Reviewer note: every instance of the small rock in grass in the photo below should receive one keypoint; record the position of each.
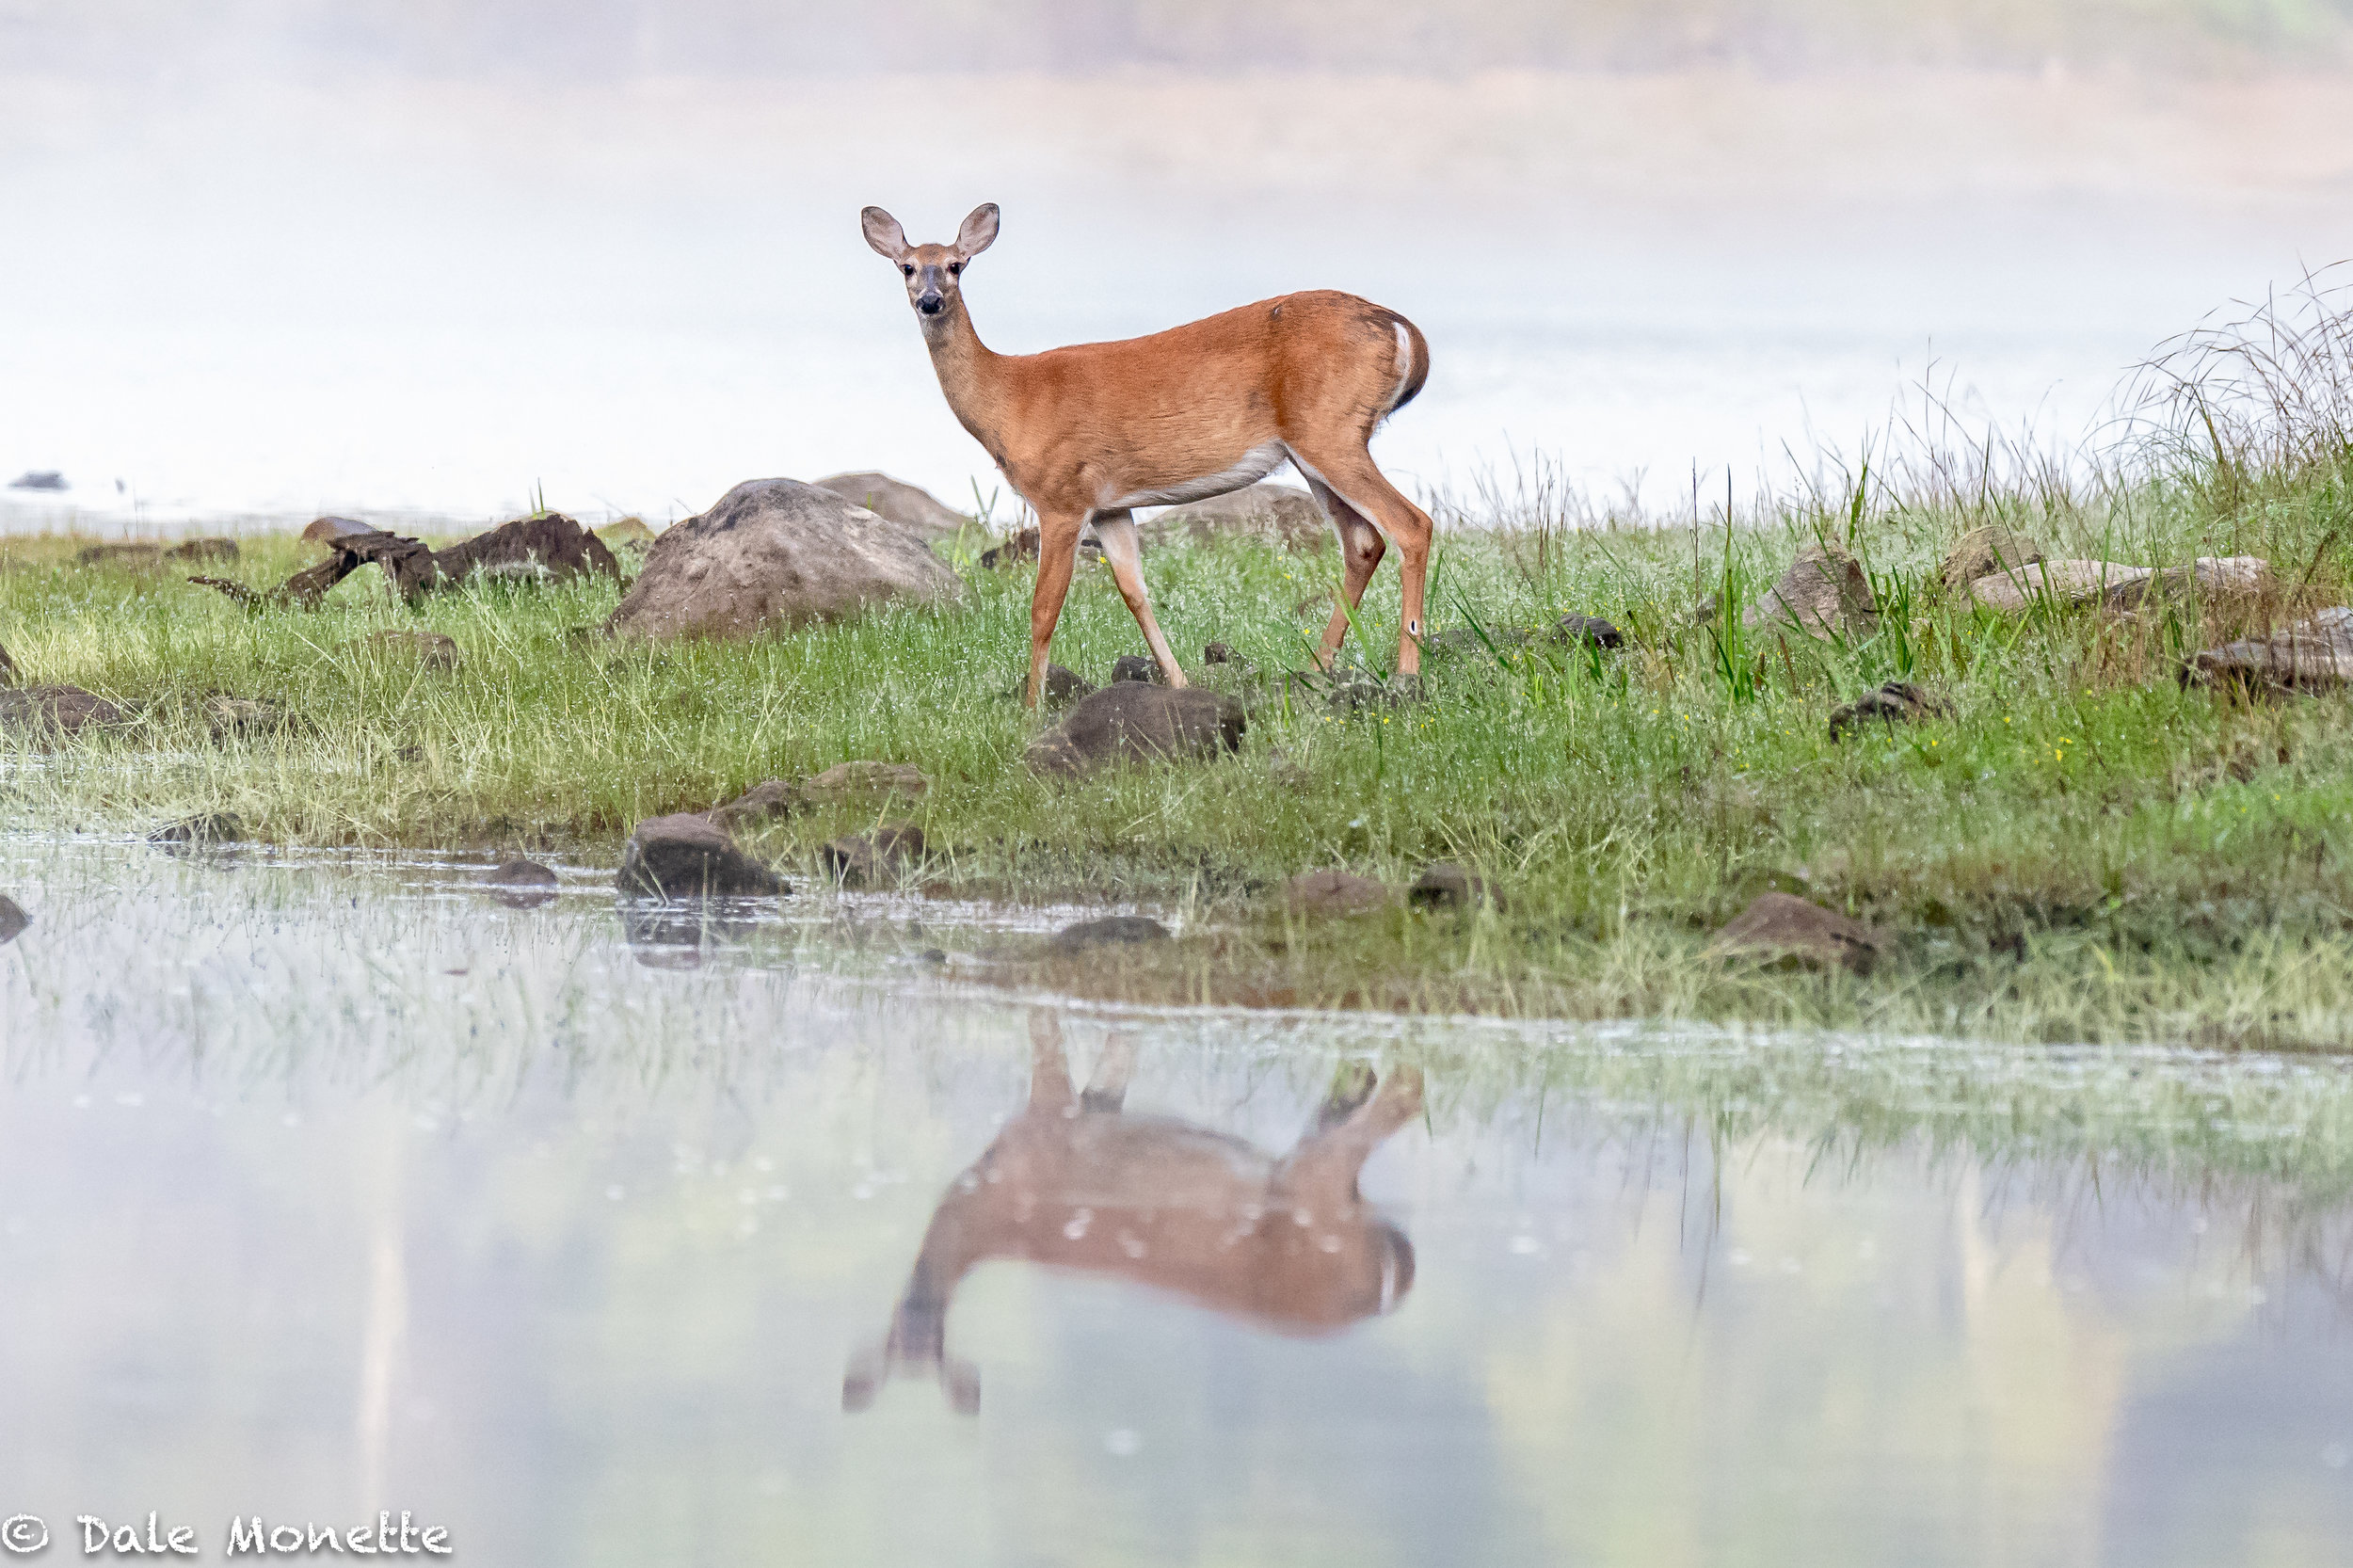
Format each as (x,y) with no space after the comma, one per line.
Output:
(1988,551)
(1064,687)
(1132,722)
(687,855)
(1137,666)
(1785,928)
(1107,930)
(1897,702)
(46,712)
(13,919)
(523,884)
(234,717)
(1218,653)
(1444,885)
(2313,655)
(1334,892)
(866,859)
(435,651)
(1574,629)
(845,780)
(762,802)
(1824,593)
(211,827)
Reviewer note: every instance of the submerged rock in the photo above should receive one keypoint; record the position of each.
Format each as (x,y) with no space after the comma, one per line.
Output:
(1824,594)
(1132,722)
(1444,885)
(521,883)
(1897,702)
(687,855)
(1334,892)
(1987,552)
(865,859)
(13,919)
(775,553)
(1785,928)
(1110,930)
(902,503)
(46,712)
(209,828)
(2311,655)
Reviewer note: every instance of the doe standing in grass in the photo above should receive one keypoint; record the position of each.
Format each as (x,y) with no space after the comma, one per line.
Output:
(1084,433)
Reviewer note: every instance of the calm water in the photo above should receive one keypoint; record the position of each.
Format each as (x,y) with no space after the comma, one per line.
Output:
(339,1186)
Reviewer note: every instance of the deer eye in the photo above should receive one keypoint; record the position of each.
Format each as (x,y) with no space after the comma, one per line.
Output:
(909,270)
(955,268)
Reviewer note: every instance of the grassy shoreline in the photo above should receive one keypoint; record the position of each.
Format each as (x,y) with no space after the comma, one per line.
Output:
(2084,848)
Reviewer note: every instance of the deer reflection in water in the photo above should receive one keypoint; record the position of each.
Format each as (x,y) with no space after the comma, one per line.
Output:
(1283,1241)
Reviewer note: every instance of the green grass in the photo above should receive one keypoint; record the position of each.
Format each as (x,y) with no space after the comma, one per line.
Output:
(2087,850)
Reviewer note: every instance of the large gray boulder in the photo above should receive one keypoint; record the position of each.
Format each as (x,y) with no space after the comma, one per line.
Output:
(776,552)
(898,501)
(1279,514)
(1132,722)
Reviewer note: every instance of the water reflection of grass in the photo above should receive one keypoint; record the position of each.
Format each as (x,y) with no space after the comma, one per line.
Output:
(2088,849)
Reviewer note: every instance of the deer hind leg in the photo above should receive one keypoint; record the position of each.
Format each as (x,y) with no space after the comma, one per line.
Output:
(1323,1168)
(1057,558)
(1361,548)
(1116,533)
(1351,473)
(1107,1086)
(1049,1074)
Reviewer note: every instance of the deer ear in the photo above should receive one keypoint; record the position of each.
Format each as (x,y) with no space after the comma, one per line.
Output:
(979,231)
(884,234)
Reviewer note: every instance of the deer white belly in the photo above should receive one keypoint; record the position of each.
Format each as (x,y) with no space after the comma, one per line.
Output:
(1255,465)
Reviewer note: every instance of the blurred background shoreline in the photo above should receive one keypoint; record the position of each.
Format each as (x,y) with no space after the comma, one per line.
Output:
(270,260)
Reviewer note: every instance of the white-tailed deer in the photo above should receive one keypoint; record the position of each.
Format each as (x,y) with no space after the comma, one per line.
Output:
(1074,1183)
(1084,433)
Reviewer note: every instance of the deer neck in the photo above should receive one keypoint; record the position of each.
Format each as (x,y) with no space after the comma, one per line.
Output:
(967,372)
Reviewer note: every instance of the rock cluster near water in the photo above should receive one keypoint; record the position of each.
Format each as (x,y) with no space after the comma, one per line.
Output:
(777,554)
(687,855)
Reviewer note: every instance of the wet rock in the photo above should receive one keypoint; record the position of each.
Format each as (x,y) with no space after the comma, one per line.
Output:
(1137,666)
(2313,655)
(764,802)
(1824,594)
(1334,892)
(47,712)
(778,553)
(687,855)
(1585,630)
(899,501)
(1444,885)
(1784,928)
(523,884)
(231,718)
(868,859)
(852,780)
(1897,702)
(435,651)
(1132,722)
(38,479)
(210,827)
(1988,551)
(1108,931)
(13,919)
(1279,514)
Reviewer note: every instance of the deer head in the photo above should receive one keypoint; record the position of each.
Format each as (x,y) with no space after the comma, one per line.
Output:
(931,272)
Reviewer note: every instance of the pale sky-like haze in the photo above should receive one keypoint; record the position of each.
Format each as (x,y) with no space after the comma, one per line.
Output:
(264,260)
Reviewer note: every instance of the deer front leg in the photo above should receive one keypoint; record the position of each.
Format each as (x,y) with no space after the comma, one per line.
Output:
(1116,533)
(1057,558)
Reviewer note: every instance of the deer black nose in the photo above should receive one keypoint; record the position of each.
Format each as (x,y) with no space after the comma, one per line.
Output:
(929,303)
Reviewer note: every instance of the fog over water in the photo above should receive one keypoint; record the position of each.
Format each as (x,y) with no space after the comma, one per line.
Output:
(278,267)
